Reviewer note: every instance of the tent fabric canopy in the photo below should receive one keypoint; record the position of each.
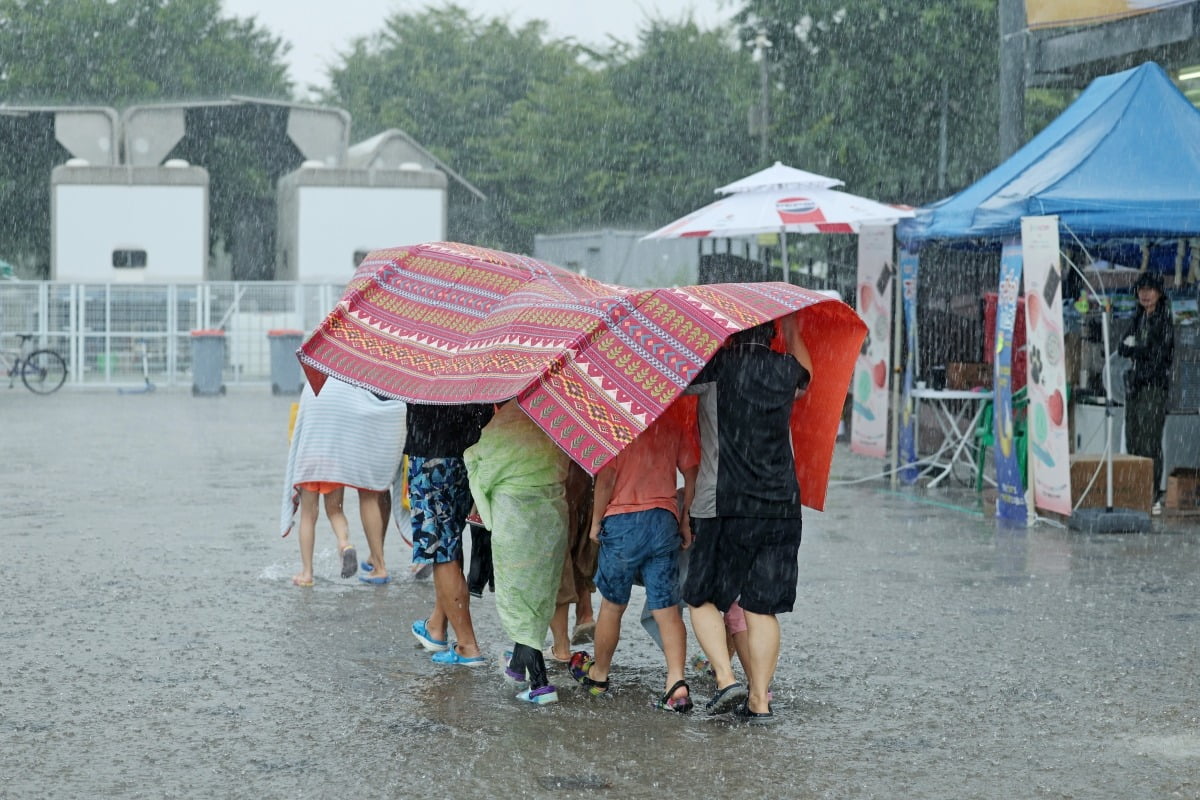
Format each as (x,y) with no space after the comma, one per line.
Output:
(1122,160)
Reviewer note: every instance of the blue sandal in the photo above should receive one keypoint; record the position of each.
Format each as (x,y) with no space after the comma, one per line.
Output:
(451,656)
(431,644)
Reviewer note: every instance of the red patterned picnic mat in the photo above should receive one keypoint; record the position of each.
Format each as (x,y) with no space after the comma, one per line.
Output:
(593,364)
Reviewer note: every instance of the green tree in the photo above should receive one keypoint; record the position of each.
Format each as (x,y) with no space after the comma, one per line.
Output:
(858,90)
(120,52)
(690,93)
(559,137)
(115,53)
(450,79)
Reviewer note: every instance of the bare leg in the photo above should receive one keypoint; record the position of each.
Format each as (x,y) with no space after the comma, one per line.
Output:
(763,630)
(454,602)
(561,648)
(608,633)
(437,621)
(583,604)
(385,511)
(739,644)
(709,627)
(337,517)
(674,636)
(308,535)
(372,522)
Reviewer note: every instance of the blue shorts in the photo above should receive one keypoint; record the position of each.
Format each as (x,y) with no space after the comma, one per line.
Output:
(640,544)
(440,499)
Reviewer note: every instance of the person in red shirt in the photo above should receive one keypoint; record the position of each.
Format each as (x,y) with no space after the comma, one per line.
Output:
(636,520)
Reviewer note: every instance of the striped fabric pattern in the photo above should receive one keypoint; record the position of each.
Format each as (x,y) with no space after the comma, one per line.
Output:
(592,364)
(344,435)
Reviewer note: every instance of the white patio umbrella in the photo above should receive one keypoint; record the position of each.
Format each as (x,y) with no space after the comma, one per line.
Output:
(799,209)
(795,208)
(780,199)
(777,176)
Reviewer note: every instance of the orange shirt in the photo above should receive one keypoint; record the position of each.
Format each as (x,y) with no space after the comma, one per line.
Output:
(646,467)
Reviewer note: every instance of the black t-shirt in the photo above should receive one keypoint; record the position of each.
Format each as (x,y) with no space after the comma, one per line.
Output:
(444,431)
(746,464)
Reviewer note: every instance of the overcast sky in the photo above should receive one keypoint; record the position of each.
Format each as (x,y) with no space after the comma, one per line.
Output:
(317,31)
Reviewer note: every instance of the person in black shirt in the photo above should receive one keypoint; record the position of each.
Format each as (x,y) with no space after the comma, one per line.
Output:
(746,510)
(1150,344)
(440,500)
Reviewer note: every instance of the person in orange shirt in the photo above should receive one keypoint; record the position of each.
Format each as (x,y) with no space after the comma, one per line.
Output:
(636,520)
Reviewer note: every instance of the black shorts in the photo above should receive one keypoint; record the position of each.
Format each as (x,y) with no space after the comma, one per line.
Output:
(749,559)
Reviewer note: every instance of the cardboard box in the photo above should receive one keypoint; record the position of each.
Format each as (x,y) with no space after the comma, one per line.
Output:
(1133,481)
(965,375)
(1183,489)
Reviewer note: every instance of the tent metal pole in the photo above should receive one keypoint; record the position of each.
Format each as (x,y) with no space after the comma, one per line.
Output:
(897,332)
(783,251)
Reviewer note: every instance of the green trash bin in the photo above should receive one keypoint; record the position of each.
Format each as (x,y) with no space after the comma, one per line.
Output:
(286,375)
(208,362)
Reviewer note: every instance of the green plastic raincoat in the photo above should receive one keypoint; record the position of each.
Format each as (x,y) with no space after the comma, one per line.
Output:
(517,478)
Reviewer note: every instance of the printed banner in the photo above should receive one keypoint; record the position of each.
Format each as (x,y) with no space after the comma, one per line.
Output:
(1049,444)
(1051,13)
(869,422)
(909,262)
(1010,480)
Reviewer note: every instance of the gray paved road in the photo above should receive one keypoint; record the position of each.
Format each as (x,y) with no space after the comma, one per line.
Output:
(151,645)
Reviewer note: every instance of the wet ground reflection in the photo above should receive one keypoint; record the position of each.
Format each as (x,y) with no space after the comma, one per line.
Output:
(152,645)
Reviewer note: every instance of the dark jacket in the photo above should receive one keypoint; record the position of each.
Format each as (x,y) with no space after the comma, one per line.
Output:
(1153,347)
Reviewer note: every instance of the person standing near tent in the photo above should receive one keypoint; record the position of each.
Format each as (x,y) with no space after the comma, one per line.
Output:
(1149,343)
(746,515)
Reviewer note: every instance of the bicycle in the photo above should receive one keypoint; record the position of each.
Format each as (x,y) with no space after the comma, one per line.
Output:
(42,371)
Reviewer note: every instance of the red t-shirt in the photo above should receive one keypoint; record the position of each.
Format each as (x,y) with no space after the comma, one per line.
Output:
(646,467)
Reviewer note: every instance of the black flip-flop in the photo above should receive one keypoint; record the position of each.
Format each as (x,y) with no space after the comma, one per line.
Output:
(727,699)
(683,705)
(754,717)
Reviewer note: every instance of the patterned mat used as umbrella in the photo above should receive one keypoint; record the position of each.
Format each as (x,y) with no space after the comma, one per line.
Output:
(592,364)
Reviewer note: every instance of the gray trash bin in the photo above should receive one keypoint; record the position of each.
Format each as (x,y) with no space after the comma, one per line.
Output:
(208,362)
(286,375)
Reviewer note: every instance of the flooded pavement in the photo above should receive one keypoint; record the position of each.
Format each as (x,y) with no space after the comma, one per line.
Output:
(152,645)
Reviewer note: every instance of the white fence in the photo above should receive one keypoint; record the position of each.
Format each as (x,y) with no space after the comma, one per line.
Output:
(107,331)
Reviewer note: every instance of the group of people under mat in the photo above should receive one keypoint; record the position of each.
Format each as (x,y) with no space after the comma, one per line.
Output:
(725,543)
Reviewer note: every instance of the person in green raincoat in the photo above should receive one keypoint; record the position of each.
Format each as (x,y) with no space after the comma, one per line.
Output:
(517,476)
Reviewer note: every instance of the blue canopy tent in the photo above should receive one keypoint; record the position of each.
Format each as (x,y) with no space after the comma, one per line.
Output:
(1122,161)
(1120,167)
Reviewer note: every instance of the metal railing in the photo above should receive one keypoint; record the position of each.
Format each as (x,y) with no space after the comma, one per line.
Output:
(107,331)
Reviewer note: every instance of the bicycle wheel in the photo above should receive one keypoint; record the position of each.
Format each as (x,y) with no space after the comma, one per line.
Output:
(44,371)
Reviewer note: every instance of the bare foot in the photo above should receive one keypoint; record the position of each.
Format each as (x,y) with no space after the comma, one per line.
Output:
(302,579)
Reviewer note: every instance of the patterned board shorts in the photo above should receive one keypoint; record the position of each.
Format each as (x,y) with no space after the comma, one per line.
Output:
(440,500)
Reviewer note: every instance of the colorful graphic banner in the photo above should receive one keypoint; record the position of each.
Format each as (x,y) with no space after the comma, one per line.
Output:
(1049,443)
(909,263)
(1010,479)
(1052,13)
(869,423)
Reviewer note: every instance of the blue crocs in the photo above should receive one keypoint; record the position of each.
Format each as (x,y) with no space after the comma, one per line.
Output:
(540,696)
(451,656)
(428,642)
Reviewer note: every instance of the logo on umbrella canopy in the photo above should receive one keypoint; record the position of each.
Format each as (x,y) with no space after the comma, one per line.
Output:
(798,209)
